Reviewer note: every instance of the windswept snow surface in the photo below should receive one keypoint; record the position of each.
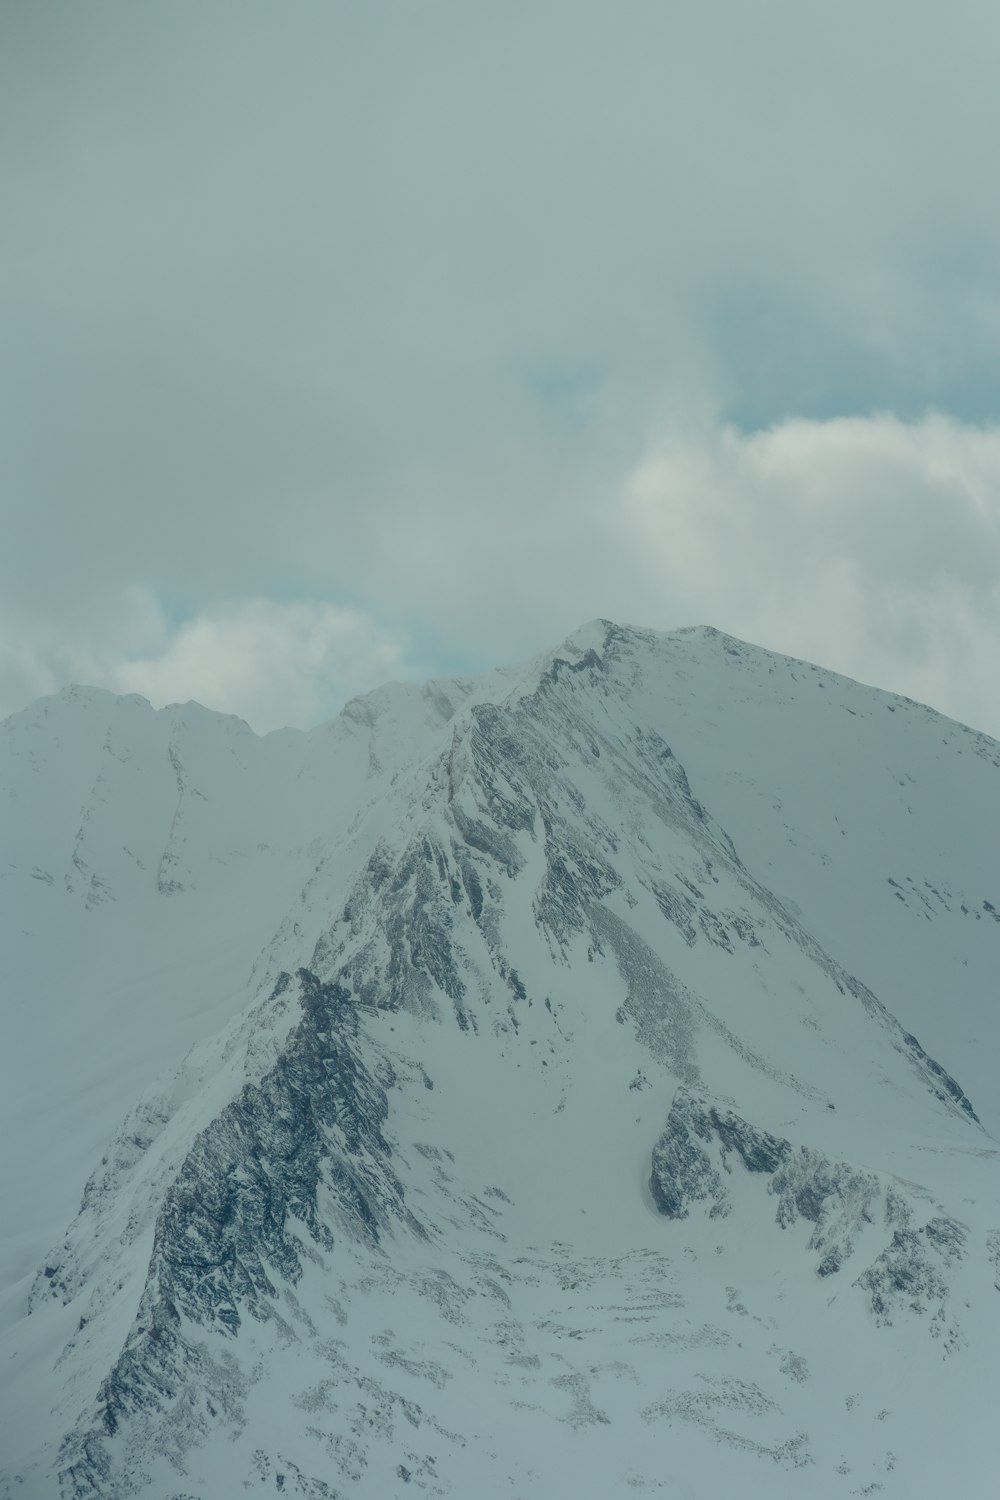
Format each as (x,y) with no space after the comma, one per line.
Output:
(575,1080)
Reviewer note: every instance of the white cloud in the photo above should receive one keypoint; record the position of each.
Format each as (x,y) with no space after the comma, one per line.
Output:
(40,651)
(272,664)
(387,314)
(867,544)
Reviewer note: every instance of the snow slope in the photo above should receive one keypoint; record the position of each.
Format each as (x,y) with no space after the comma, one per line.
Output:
(577,1079)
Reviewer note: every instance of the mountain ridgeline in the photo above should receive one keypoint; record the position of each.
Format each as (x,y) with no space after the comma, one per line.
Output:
(571,1080)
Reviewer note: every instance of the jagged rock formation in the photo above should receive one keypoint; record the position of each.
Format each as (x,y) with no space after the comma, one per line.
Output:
(698,1149)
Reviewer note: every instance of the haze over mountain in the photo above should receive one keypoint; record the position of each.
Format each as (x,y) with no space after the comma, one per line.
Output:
(574,1080)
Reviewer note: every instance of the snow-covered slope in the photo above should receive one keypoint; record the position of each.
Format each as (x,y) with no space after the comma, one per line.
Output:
(573,1080)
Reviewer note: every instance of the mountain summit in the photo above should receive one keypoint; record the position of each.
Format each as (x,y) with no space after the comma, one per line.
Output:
(574,1080)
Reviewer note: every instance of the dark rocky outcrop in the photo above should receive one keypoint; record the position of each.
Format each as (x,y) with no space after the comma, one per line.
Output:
(238,1222)
(693,1153)
(696,1152)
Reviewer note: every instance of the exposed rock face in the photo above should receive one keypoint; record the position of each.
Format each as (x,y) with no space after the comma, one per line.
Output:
(252,1181)
(699,1149)
(836,1199)
(289,1164)
(693,1154)
(911,1274)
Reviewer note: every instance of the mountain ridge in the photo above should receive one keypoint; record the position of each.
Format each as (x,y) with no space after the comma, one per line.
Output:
(594,629)
(576,889)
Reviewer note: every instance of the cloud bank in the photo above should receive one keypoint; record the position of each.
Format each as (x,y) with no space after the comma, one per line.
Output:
(870,545)
(271,664)
(355,341)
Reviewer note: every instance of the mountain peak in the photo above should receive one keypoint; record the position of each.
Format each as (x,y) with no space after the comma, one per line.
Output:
(513,1082)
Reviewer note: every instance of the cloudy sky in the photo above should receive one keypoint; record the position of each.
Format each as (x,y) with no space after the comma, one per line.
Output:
(353,340)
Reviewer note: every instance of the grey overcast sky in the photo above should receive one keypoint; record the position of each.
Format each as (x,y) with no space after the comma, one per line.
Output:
(348,341)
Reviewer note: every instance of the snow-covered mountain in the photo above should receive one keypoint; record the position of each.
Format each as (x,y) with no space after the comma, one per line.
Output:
(575,1080)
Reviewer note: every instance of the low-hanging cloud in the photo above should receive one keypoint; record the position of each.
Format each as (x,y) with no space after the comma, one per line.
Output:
(870,545)
(867,544)
(468,323)
(273,664)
